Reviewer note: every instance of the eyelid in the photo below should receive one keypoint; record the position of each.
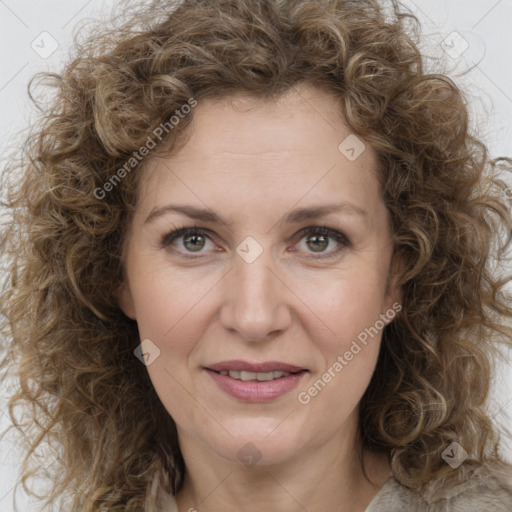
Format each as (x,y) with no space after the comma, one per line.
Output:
(168,238)
(334,234)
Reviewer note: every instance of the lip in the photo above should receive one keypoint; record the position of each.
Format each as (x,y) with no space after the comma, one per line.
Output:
(256,391)
(245,366)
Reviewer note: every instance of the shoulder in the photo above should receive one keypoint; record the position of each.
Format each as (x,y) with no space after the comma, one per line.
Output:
(486,486)
(475,487)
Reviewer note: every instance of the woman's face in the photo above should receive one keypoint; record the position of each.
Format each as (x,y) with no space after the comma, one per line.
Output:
(250,293)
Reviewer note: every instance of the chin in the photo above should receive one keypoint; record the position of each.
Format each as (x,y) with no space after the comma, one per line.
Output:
(251,452)
(258,442)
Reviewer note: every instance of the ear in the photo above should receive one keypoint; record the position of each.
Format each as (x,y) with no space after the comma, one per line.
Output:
(125,301)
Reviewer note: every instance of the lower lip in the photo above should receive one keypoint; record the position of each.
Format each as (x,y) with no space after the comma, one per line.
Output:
(256,391)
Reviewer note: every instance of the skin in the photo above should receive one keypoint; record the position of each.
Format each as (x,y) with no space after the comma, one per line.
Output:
(252,162)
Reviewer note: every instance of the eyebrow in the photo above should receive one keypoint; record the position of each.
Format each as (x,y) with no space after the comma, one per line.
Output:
(293,217)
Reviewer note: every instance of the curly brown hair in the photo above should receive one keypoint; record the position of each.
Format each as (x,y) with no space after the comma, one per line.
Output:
(67,342)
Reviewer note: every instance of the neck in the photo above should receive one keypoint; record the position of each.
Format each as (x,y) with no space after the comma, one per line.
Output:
(326,477)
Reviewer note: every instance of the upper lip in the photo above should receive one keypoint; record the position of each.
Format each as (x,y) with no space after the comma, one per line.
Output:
(267,366)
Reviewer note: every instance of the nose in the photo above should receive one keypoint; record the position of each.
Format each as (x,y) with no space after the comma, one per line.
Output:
(254,303)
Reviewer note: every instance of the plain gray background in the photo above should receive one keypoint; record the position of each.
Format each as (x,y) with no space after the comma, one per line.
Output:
(468,34)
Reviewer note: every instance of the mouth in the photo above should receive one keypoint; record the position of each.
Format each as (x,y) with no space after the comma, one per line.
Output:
(255,382)
(256,376)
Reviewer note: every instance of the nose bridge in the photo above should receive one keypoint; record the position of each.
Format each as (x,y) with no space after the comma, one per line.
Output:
(254,305)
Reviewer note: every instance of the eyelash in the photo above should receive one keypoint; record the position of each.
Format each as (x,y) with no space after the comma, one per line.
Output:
(312,230)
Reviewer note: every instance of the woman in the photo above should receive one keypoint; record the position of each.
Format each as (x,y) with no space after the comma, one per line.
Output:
(253,268)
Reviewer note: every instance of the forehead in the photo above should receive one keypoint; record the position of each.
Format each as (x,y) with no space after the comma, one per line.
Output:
(247,152)
(304,118)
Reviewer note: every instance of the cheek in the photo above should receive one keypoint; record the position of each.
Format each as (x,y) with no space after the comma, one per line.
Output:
(347,335)
(335,394)
(351,343)
(166,299)
(171,311)
(348,340)
(345,303)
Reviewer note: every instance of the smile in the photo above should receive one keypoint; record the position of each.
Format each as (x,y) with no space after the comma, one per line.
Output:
(255,382)
(250,376)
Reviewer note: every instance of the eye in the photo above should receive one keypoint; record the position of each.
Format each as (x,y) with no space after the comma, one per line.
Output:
(192,239)
(318,239)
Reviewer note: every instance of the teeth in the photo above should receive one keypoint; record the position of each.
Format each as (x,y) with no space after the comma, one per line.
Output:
(265,376)
(247,376)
